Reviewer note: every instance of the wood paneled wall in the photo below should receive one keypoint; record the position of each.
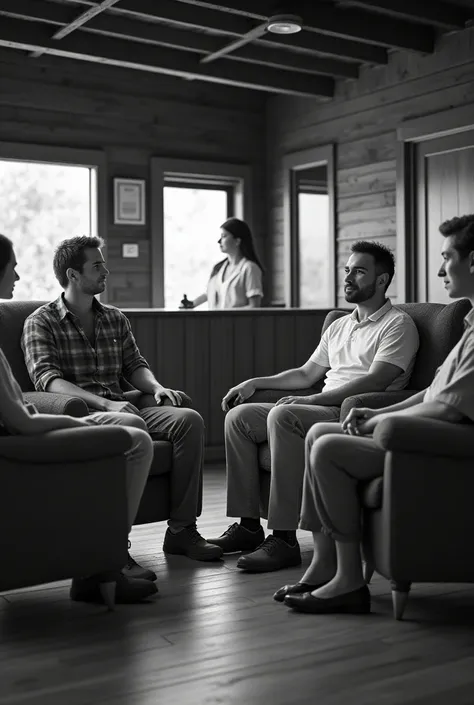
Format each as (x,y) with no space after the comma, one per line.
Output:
(132,116)
(362,122)
(205,353)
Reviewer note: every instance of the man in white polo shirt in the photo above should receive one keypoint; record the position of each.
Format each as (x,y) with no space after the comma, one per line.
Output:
(373,349)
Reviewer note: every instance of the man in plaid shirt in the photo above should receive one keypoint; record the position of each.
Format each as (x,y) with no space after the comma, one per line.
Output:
(77,346)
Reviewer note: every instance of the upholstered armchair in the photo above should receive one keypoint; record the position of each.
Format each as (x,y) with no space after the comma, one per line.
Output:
(156,497)
(418,523)
(63,505)
(439,327)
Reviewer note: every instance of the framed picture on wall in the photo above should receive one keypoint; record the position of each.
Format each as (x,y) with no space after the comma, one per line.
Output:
(129,201)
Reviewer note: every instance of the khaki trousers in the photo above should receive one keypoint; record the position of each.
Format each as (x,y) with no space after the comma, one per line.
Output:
(184,429)
(285,428)
(335,464)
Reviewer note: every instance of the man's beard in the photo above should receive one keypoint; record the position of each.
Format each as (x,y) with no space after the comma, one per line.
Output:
(93,289)
(358,296)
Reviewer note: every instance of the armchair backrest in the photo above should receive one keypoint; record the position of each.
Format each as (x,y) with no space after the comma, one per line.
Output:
(12,317)
(440,326)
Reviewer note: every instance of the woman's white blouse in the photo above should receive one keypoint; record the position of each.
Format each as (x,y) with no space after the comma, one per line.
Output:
(244,282)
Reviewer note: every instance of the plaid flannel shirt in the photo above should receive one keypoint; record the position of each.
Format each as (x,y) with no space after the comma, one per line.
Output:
(55,345)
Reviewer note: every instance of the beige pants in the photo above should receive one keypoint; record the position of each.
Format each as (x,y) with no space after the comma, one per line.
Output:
(184,429)
(285,428)
(335,464)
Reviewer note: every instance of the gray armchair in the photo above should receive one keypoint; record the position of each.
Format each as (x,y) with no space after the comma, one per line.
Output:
(418,523)
(63,505)
(439,327)
(156,497)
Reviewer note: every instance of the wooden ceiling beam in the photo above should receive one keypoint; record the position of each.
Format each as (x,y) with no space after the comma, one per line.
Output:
(344,23)
(29,36)
(185,15)
(119,26)
(433,12)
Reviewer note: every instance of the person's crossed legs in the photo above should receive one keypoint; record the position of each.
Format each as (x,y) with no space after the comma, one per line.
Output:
(285,428)
(335,464)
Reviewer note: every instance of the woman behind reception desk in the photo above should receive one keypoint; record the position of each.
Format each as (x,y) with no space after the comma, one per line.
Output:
(236,281)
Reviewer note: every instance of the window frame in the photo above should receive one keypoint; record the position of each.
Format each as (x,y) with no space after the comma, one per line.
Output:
(292,164)
(92,159)
(236,179)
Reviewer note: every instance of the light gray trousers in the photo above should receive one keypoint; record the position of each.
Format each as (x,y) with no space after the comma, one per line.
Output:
(335,464)
(184,429)
(285,428)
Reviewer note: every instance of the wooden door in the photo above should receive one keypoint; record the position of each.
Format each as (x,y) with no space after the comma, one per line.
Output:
(445,189)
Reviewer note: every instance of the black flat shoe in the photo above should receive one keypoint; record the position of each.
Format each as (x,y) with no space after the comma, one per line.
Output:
(295,589)
(354,602)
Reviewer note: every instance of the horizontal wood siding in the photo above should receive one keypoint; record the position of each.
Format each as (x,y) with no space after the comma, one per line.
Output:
(362,122)
(206,353)
(132,116)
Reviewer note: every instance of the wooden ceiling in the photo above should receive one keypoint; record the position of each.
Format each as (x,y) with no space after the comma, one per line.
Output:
(175,36)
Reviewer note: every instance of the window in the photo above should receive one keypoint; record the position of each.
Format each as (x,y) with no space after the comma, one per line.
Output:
(313,231)
(192,218)
(40,205)
(309,228)
(190,200)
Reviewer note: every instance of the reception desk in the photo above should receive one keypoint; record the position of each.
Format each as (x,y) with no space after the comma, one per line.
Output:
(206,352)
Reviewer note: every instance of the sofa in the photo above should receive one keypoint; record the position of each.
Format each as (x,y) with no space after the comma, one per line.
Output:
(63,505)
(155,504)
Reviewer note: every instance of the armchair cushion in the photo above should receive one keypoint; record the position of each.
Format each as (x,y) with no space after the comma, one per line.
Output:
(53,403)
(428,437)
(81,444)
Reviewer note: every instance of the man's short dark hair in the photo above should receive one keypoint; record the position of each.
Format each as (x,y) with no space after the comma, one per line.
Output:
(462,231)
(70,254)
(384,259)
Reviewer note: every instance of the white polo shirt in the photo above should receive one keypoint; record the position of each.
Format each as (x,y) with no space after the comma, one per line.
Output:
(349,347)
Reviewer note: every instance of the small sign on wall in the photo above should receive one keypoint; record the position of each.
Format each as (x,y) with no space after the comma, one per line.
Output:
(130,249)
(129,201)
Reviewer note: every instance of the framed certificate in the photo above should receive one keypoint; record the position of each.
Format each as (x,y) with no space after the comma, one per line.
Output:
(129,201)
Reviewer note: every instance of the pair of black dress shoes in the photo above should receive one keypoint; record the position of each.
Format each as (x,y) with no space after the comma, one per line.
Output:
(299,598)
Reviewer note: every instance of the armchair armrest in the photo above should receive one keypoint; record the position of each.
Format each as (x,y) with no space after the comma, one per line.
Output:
(67,445)
(53,403)
(374,400)
(425,436)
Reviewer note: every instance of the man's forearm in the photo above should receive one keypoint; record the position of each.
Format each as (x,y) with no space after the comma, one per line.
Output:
(335,397)
(289,379)
(430,410)
(144,380)
(62,386)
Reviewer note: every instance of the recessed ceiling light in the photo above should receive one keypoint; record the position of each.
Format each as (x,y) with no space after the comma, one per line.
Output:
(284,24)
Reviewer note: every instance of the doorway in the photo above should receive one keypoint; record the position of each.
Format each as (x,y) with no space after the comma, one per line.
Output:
(445,190)
(435,183)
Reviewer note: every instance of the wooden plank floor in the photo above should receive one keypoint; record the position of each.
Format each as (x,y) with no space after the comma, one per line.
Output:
(214,636)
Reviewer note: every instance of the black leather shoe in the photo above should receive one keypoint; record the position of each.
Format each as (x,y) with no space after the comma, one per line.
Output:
(295,589)
(237,538)
(134,570)
(354,602)
(272,554)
